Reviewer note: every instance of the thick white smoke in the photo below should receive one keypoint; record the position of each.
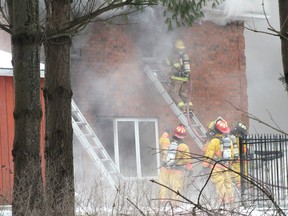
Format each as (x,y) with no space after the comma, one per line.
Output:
(240,8)
(233,10)
(267,97)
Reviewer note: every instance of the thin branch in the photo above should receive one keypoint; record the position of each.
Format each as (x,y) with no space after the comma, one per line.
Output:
(272,119)
(83,20)
(251,116)
(264,32)
(6,28)
(266,17)
(142,213)
(259,185)
(210,213)
(270,28)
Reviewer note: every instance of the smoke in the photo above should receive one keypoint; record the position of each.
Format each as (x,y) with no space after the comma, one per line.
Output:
(267,97)
(235,10)
(241,8)
(263,54)
(146,20)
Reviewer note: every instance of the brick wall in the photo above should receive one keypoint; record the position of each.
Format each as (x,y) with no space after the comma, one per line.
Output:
(108,80)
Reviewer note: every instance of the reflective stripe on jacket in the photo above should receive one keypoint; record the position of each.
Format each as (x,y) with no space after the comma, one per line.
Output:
(183,79)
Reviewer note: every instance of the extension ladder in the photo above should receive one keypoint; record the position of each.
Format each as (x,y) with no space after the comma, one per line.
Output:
(93,146)
(193,125)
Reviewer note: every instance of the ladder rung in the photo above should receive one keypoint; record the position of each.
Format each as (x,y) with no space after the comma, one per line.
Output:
(88,134)
(91,144)
(97,147)
(196,125)
(152,74)
(81,123)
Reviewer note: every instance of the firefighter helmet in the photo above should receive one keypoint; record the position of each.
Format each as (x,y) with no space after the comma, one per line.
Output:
(179,44)
(180,132)
(239,129)
(221,125)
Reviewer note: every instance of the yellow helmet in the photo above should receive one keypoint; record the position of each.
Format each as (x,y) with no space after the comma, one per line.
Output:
(179,44)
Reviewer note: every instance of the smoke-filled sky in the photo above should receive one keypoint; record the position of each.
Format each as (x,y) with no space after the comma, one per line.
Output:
(267,98)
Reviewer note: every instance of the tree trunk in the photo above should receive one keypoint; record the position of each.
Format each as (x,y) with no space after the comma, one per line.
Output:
(26,39)
(283,11)
(58,94)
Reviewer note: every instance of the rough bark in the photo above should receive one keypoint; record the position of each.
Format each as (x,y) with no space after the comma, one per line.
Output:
(58,94)
(25,37)
(283,11)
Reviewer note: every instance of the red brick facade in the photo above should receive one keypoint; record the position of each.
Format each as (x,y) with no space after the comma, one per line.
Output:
(108,80)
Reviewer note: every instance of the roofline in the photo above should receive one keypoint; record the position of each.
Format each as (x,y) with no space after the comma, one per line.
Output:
(9,72)
(245,16)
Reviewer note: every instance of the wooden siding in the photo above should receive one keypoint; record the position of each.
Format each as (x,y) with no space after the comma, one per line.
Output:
(7,136)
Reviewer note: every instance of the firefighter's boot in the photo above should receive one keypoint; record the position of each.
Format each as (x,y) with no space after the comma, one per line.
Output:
(190,108)
(182,107)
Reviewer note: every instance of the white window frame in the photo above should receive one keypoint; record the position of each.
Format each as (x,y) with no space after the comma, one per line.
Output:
(137,142)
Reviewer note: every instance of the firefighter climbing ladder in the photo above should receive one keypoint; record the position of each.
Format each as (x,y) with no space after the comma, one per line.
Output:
(93,146)
(193,125)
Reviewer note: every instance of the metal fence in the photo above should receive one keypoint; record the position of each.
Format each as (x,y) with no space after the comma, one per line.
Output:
(264,170)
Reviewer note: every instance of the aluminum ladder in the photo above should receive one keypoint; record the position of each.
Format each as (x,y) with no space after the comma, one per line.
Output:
(93,146)
(193,125)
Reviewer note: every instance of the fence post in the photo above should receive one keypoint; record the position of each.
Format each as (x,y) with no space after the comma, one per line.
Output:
(242,169)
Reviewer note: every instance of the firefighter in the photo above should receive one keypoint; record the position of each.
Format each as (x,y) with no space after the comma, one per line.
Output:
(239,131)
(180,75)
(209,135)
(175,164)
(218,156)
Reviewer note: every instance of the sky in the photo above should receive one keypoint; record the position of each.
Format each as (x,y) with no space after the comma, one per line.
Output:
(267,98)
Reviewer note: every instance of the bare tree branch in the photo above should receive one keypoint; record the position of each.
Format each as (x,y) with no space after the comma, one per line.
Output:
(185,198)
(84,20)
(253,117)
(270,28)
(5,28)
